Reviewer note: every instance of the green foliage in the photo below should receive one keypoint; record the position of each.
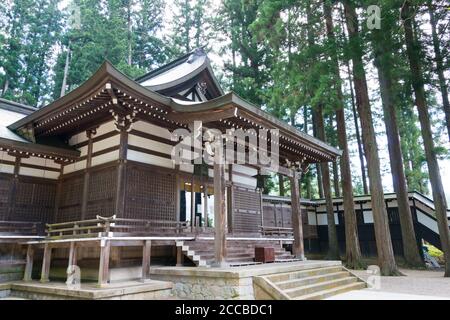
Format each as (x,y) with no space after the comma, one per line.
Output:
(191,26)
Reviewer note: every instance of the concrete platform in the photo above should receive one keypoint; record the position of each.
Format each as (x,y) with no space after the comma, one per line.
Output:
(369,294)
(244,271)
(125,290)
(203,283)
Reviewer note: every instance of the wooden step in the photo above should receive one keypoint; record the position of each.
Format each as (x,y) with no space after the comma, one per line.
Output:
(295,283)
(333,291)
(321,286)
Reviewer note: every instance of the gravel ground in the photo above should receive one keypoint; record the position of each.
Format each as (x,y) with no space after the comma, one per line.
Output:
(415,282)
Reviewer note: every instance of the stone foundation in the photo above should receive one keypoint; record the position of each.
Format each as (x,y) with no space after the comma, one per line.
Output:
(232,283)
(210,288)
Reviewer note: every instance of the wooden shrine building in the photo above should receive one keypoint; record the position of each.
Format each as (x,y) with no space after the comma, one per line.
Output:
(92,174)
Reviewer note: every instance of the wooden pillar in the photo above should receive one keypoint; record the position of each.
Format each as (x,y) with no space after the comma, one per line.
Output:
(46,261)
(177,193)
(230,199)
(73,254)
(205,205)
(13,188)
(89,133)
(103,271)
(179,257)
(58,191)
(27,276)
(297,247)
(72,261)
(192,204)
(146,259)
(121,173)
(219,210)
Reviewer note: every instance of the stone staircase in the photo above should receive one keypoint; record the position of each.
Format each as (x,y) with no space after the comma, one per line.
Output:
(311,284)
(239,252)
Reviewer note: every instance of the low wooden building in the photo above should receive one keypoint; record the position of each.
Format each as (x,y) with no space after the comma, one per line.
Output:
(95,168)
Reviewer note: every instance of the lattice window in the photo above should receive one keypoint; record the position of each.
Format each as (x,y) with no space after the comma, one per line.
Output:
(150,195)
(247,210)
(4,193)
(70,199)
(102,184)
(34,201)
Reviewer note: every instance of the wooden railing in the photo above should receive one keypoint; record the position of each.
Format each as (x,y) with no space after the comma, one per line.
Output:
(280,231)
(105,226)
(20,228)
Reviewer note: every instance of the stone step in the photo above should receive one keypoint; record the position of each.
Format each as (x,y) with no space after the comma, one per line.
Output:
(303,273)
(321,286)
(333,291)
(295,283)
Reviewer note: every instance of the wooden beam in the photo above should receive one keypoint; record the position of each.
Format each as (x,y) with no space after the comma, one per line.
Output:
(86,178)
(297,247)
(192,204)
(72,262)
(219,210)
(230,199)
(205,205)
(146,259)
(103,271)
(13,188)
(27,276)
(177,192)
(73,254)
(179,257)
(121,173)
(204,116)
(46,261)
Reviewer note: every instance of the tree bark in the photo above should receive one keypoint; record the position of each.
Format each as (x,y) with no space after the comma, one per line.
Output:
(355,120)
(66,71)
(358,134)
(129,33)
(333,244)
(439,66)
(383,61)
(352,249)
(281,185)
(440,203)
(337,191)
(383,239)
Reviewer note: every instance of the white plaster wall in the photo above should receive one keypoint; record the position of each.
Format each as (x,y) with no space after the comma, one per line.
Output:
(104,158)
(106,143)
(149,159)
(149,144)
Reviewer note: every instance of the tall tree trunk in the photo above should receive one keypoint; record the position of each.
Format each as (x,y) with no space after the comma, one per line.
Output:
(333,245)
(355,117)
(352,249)
(281,185)
(129,33)
(383,61)
(66,71)
(357,133)
(307,176)
(337,191)
(440,203)
(383,239)
(439,66)
(5,85)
